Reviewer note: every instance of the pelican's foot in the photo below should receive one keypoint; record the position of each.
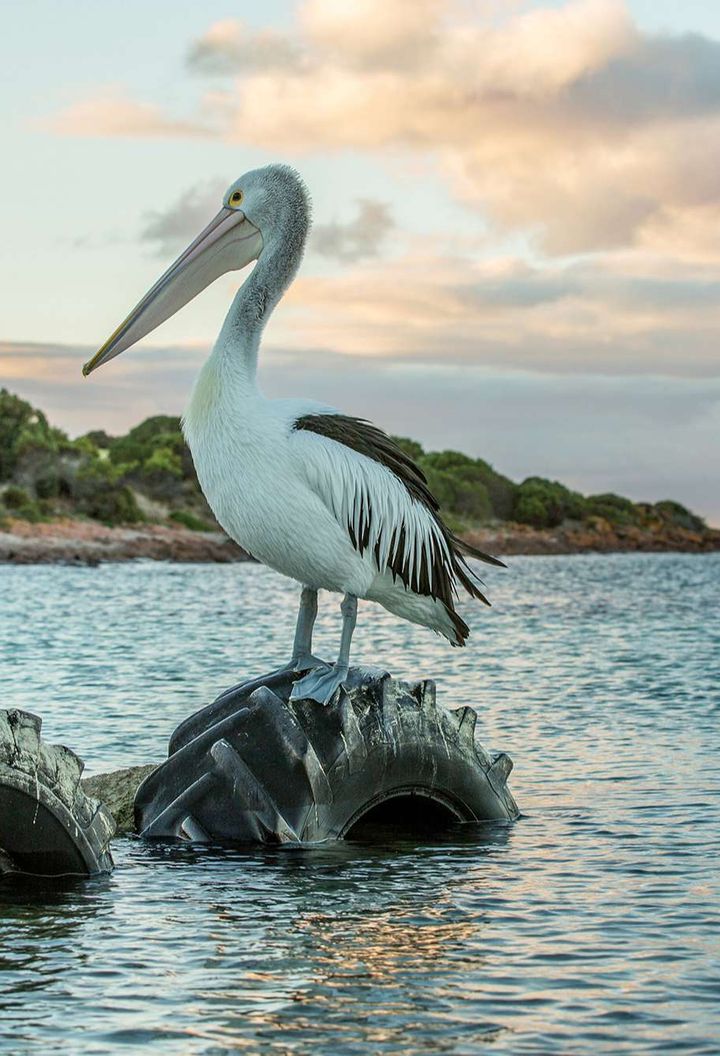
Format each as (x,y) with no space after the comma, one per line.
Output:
(306,662)
(320,685)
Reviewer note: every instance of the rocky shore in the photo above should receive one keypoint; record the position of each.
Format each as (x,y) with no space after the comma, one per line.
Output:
(78,542)
(74,542)
(598,537)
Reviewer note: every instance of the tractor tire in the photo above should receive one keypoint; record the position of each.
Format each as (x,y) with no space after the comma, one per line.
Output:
(257,767)
(48,826)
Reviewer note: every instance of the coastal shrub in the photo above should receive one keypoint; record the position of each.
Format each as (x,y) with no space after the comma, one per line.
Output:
(48,486)
(676,513)
(500,489)
(104,476)
(14,497)
(442,485)
(98,440)
(21,426)
(21,505)
(163,460)
(112,505)
(37,465)
(39,436)
(189,520)
(31,512)
(546,503)
(613,508)
(458,484)
(468,487)
(137,446)
(85,446)
(101,494)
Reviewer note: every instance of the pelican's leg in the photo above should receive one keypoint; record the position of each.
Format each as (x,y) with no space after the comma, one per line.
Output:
(302,654)
(321,685)
(348,608)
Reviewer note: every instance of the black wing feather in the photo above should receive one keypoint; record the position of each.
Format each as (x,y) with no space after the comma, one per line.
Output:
(366,439)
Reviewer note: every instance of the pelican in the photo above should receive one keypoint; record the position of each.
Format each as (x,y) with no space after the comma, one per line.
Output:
(322,497)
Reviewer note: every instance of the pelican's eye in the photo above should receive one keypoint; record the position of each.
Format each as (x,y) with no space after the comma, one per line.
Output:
(235,198)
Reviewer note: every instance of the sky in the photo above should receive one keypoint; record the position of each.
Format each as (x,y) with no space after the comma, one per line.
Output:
(516,246)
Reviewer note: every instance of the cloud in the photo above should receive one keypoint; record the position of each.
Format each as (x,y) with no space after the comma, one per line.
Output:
(612,315)
(372,34)
(599,144)
(112,113)
(141,383)
(565,122)
(356,240)
(230,46)
(172,229)
(667,77)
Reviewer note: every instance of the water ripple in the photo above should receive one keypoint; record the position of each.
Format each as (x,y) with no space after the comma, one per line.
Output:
(589,926)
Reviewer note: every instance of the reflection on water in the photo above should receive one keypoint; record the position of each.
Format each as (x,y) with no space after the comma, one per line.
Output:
(589,926)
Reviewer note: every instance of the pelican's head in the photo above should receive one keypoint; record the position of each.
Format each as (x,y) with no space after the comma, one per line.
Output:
(255,209)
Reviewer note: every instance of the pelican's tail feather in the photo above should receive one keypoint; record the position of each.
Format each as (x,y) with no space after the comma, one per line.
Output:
(472,551)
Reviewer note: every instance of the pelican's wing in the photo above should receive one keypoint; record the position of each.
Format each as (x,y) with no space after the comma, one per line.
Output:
(381,498)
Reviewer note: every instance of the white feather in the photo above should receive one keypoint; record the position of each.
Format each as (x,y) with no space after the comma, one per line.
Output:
(294,498)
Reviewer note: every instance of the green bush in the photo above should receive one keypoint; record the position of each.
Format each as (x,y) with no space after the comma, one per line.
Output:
(23,427)
(84,445)
(444,488)
(47,487)
(14,497)
(95,474)
(100,494)
(546,503)
(500,489)
(189,520)
(21,505)
(163,460)
(613,508)
(458,484)
(98,440)
(479,494)
(112,505)
(139,444)
(674,513)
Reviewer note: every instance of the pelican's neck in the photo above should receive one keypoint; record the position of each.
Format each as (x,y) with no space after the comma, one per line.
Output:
(236,349)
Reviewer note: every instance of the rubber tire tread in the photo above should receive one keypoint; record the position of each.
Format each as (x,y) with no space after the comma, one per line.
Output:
(48,825)
(255,766)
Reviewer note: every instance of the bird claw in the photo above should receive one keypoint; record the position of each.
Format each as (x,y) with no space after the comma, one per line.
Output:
(308,662)
(318,685)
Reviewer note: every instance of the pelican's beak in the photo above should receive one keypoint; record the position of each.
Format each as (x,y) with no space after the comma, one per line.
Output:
(228,243)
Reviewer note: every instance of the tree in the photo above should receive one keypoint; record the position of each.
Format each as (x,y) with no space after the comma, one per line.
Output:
(458,484)
(546,503)
(23,427)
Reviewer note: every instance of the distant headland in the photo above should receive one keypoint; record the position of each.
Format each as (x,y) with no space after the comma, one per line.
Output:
(112,498)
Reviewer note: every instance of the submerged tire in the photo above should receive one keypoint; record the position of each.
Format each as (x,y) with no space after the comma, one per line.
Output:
(48,826)
(255,766)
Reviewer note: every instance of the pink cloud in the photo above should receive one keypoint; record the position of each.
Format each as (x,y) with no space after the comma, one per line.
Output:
(623,314)
(563,122)
(112,113)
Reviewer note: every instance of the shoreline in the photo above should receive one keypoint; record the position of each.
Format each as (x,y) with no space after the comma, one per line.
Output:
(598,538)
(72,542)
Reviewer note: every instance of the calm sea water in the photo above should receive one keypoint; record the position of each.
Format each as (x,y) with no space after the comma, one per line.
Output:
(591,925)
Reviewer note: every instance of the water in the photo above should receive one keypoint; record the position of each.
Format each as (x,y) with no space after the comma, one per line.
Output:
(591,925)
